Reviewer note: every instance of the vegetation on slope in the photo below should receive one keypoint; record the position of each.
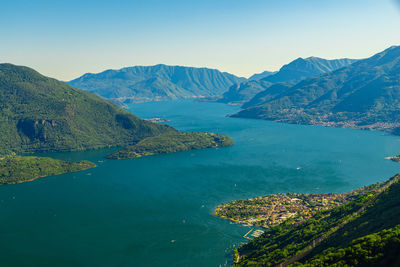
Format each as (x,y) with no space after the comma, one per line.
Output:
(40,114)
(172,142)
(17,169)
(265,95)
(365,94)
(293,72)
(377,249)
(383,215)
(240,93)
(159,82)
(335,227)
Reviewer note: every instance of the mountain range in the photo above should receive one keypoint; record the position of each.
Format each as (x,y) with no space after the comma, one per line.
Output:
(163,82)
(293,72)
(365,94)
(159,82)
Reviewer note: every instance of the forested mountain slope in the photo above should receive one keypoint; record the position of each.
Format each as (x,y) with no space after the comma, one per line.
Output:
(362,232)
(39,114)
(293,72)
(365,94)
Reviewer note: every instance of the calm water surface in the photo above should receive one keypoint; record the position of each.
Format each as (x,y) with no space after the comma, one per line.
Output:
(158,210)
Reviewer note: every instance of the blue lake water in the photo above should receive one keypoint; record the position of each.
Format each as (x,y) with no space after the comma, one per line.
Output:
(158,210)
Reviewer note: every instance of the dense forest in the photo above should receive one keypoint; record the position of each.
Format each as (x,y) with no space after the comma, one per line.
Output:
(376,220)
(377,249)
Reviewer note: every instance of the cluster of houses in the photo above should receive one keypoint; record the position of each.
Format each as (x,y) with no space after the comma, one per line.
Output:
(274,209)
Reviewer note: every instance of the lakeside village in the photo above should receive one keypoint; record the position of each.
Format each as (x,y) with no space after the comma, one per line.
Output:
(271,210)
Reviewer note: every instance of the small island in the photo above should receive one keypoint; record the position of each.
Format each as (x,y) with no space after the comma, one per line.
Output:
(173,142)
(19,169)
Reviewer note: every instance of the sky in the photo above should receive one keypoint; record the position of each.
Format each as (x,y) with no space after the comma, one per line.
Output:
(65,39)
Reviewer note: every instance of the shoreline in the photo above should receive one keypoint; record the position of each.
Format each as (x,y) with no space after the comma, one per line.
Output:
(44,176)
(322,124)
(12,173)
(274,209)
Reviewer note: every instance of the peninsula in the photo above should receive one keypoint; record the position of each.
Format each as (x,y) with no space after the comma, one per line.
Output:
(18,169)
(40,114)
(271,210)
(173,142)
(346,229)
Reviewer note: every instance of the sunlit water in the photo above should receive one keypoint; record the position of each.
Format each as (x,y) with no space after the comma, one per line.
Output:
(158,210)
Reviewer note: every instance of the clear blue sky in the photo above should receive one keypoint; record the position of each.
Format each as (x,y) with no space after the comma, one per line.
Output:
(64,39)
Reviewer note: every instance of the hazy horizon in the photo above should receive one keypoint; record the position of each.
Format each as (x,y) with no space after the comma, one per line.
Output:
(66,39)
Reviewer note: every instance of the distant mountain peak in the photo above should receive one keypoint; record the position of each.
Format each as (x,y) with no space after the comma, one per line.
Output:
(262,75)
(137,83)
(302,68)
(393,47)
(365,94)
(293,72)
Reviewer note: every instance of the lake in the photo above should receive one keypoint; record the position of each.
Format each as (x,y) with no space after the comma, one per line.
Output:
(158,210)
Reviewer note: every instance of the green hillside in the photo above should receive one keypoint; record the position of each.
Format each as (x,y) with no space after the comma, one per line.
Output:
(40,114)
(342,235)
(365,94)
(372,238)
(265,95)
(377,249)
(16,169)
(159,82)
